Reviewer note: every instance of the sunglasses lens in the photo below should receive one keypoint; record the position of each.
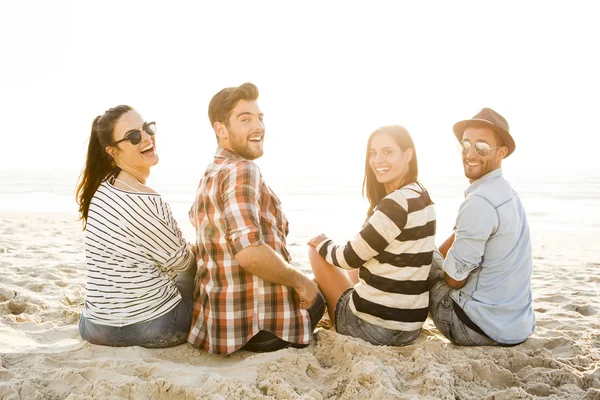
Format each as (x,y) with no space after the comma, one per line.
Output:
(150,128)
(483,149)
(135,137)
(464,147)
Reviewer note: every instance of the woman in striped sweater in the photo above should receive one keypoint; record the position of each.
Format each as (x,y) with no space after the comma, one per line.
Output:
(140,270)
(386,303)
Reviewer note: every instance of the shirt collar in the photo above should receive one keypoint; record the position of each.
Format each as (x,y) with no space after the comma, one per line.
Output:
(486,178)
(227,154)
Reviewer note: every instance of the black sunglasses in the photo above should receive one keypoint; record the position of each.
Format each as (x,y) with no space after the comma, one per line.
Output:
(135,135)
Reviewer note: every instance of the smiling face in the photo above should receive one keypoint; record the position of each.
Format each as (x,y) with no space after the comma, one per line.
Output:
(245,132)
(128,156)
(476,166)
(389,162)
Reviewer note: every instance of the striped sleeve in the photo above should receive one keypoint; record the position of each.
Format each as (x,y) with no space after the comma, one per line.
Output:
(385,225)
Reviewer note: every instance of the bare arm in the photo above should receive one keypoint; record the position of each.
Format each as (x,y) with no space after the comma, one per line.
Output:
(446,245)
(265,263)
(382,228)
(453,283)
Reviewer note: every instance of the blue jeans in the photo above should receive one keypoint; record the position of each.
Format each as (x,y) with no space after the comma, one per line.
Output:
(265,341)
(349,324)
(442,311)
(167,330)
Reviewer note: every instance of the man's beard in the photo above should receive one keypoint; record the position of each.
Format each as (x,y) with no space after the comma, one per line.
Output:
(476,173)
(242,147)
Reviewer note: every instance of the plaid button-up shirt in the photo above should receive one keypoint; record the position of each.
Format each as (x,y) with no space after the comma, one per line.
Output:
(235,209)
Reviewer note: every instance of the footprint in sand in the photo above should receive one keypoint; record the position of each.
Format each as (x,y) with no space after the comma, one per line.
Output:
(6,294)
(16,307)
(553,299)
(548,324)
(585,310)
(36,287)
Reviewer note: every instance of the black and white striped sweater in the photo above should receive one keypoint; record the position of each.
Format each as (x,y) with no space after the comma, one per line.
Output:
(394,251)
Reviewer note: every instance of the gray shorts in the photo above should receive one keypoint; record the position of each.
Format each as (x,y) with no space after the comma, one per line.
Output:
(349,324)
(441,310)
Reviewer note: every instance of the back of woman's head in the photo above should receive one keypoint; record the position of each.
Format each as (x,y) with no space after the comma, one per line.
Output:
(98,164)
(375,191)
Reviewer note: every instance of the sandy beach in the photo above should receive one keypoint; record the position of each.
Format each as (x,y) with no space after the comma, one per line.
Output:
(42,356)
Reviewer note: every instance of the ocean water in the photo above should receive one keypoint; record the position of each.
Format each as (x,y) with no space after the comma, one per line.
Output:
(331,205)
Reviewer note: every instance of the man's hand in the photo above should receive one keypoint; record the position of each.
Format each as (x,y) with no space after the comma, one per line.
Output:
(317,240)
(265,263)
(308,290)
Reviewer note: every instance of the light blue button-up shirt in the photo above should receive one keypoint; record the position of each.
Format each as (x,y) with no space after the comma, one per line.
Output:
(492,248)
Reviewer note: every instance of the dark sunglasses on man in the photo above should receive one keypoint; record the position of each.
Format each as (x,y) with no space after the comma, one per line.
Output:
(135,135)
(481,148)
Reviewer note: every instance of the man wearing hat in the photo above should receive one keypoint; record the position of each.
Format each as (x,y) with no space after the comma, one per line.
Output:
(484,297)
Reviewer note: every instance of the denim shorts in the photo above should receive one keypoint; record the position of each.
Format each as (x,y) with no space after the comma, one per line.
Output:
(169,329)
(349,324)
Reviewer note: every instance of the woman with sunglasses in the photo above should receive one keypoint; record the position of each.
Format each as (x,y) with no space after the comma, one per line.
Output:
(386,303)
(140,270)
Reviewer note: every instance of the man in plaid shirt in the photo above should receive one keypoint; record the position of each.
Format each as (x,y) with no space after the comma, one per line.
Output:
(247,293)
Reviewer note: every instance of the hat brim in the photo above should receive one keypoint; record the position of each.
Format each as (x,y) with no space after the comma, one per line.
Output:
(459,130)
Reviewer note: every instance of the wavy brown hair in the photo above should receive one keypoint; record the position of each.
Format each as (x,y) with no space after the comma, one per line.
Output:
(222,103)
(98,164)
(372,189)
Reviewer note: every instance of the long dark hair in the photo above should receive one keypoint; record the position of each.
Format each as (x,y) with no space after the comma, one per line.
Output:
(375,191)
(98,164)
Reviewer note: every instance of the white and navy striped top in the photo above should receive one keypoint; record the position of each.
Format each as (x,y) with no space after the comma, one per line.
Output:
(394,251)
(133,250)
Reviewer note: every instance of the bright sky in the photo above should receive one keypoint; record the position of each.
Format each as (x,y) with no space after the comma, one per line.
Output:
(329,73)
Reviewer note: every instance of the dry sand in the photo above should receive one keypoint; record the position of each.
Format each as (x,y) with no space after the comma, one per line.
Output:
(42,357)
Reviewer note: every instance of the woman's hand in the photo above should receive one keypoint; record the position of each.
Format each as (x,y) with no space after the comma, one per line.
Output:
(317,240)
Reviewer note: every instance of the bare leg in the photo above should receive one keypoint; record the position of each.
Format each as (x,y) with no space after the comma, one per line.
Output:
(332,280)
(353,275)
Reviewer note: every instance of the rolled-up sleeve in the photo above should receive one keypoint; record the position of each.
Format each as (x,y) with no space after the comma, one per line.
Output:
(476,221)
(241,194)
